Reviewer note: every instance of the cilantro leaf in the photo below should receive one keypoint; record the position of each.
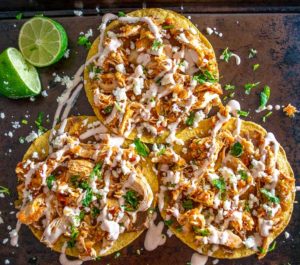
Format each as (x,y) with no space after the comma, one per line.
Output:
(168,222)
(219,184)
(243,113)
(168,26)
(201,232)
(156,45)
(248,87)
(49,181)
(270,196)
(264,118)
(205,77)
(84,41)
(108,109)
(19,16)
(39,123)
(162,151)
(88,197)
(95,211)
(264,96)
(121,14)
(244,175)
(141,148)
(4,190)
(226,54)
(131,200)
(190,119)
(229,87)
(236,149)
(255,66)
(272,246)
(96,172)
(188,204)
(74,234)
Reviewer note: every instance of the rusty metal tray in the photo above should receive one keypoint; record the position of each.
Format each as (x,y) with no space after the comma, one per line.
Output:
(276,37)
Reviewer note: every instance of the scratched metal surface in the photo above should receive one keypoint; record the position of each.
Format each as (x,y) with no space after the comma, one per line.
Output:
(277,39)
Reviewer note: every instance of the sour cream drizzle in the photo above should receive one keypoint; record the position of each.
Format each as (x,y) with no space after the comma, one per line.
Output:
(154,237)
(198,259)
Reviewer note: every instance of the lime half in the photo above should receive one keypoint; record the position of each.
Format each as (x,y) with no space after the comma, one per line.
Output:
(42,41)
(18,78)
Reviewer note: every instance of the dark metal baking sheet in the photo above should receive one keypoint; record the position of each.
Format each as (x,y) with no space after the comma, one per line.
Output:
(277,40)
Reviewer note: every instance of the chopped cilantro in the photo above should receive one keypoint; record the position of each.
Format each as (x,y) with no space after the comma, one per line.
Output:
(84,185)
(188,204)
(249,86)
(229,87)
(219,184)
(158,81)
(226,54)
(84,41)
(168,222)
(95,211)
(231,95)
(141,148)
(81,215)
(118,107)
(39,123)
(74,181)
(156,45)
(92,68)
(74,234)
(179,228)
(252,53)
(246,206)
(19,16)
(131,200)
(236,149)
(168,26)
(49,181)
(161,151)
(270,196)
(264,96)
(244,175)
(96,172)
(243,113)
(121,14)
(264,118)
(272,246)
(190,119)
(88,197)
(261,250)
(4,190)
(23,121)
(205,77)
(201,232)
(255,66)
(108,109)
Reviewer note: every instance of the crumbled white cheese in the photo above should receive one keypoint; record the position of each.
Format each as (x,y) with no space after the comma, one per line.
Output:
(209,31)
(2,115)
(120,94)
(78,13)
(30,137)
(67,53)
(121,68)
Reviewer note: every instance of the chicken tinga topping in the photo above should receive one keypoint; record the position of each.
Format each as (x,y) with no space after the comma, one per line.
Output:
(226,190)
(152,76)
(84,193)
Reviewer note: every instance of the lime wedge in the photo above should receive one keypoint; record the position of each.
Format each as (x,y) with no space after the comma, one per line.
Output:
(42,41)
(18,78)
